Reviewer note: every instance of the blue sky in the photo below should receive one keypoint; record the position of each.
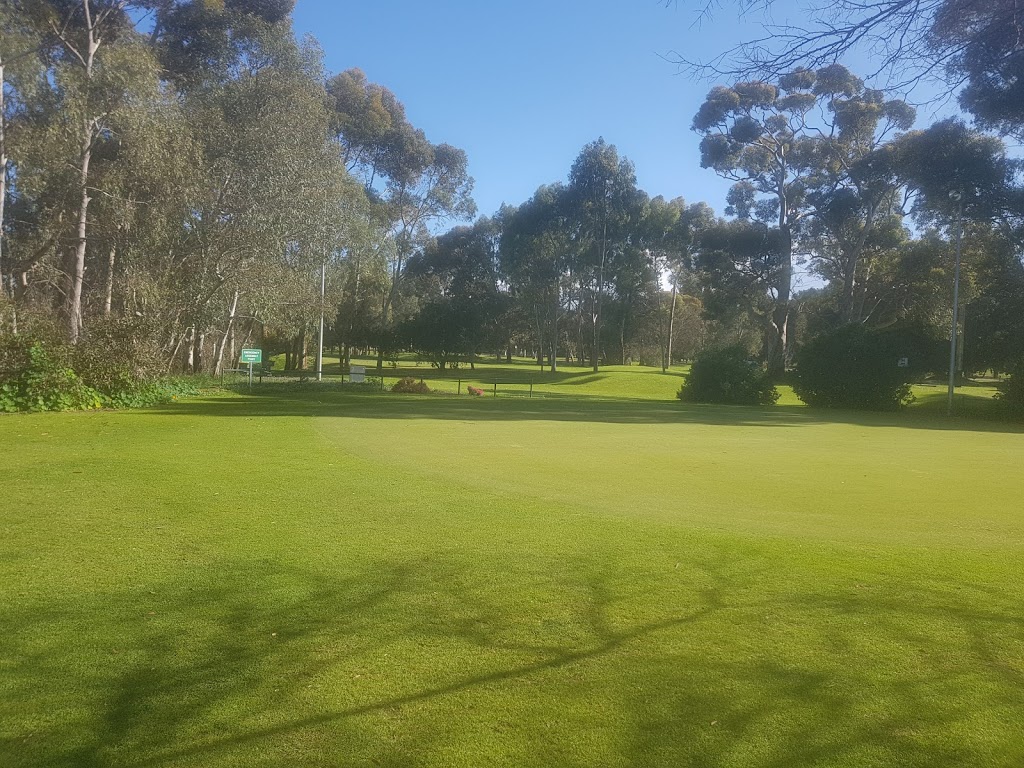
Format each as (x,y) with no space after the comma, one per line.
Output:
(522,86)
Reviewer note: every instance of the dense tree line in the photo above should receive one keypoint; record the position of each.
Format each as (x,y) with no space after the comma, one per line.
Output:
(179,172)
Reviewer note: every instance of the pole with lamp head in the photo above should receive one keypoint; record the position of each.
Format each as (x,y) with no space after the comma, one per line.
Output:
(956,197)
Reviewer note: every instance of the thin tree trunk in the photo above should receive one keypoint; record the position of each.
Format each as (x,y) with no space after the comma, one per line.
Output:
(595,353)
(81,234)
(961,341)
(190,366)
(87,139)
(779,344)
(4,285)
(554,336)
(218,364)
(175,351)
(848,308)
(622,339)
(200,360)
(109,291)
(540,336)
(672,321)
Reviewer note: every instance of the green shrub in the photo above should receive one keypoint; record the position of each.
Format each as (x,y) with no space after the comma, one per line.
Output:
(35,375)
(1011,390)
(118,359)
(854,367)
(146,394)
(39,372)
(410,386)
(728,376)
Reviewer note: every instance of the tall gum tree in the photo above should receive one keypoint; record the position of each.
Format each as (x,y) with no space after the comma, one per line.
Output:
(607,206)
(21,73)
(417,186)
(88,35)
(790,147)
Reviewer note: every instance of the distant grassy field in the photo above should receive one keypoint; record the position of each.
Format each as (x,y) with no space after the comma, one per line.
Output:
(599,578)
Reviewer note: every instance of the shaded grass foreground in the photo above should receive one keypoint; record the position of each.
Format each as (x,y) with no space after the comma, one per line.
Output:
(243,582)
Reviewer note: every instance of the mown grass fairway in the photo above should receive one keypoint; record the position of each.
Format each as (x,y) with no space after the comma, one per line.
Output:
(331,579)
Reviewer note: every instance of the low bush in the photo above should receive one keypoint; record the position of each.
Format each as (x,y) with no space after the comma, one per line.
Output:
(475,391)
(117,358)
(40,372)
(729,377)
(36,375)
(146,394)
(854,367)
(410,386)
(1011,390)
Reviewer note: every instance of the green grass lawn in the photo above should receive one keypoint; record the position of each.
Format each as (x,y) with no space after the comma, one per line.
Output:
(324,578)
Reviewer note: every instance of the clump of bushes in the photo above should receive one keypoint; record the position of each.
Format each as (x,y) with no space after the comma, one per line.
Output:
(118,360)
(854,367)
(1011,390)
(36,375)
(409,386)
(728,376)
(106,369)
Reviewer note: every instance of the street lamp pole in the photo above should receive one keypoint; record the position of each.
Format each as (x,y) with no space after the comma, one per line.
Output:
(958,198)
(323,298)
(320,349)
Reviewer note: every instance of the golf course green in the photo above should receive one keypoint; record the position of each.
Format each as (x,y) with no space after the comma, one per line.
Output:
(598,575)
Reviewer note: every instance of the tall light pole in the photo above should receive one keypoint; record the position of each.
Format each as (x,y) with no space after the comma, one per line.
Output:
(957,197)
(320,348)
(323,294)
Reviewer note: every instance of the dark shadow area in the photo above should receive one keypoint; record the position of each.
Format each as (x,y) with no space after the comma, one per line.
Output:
(501,374)
(269,401)
(274,666)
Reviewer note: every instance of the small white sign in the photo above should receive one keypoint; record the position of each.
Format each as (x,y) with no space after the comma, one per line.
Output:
(904,362)
(357,374)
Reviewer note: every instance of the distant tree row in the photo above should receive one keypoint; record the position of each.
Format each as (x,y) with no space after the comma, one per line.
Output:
(179,173)
(829,177)
(183,170)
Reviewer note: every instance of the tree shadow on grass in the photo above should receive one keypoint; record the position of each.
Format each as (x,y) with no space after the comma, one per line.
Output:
(365,405)
(410,662)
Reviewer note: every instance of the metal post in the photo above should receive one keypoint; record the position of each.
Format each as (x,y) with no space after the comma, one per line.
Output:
(956,300)
(250,375)
(320,350)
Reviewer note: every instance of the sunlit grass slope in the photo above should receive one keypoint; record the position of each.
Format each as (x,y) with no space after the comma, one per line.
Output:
(319,579)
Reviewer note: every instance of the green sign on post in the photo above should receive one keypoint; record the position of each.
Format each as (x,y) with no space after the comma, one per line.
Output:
(251,356)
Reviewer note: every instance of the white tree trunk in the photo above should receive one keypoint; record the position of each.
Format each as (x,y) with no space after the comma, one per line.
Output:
(87,138)
(219,363)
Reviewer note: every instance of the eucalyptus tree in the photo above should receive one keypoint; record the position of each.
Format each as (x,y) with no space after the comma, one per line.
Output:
(462,309)
(739,262)
(416,185)
(671,232)
(804,145)
(534,260)
(607,207)
(100,69)
(972,46)
(21,78)
(274,191)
